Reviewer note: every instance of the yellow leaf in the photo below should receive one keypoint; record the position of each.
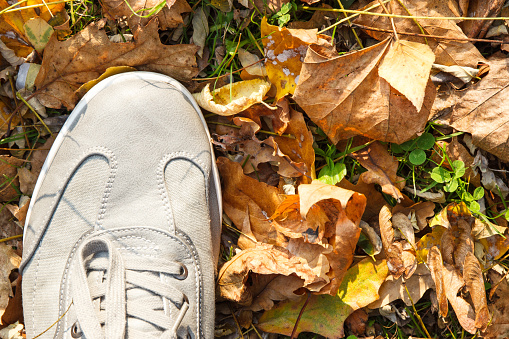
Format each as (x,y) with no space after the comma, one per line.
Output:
(109,72)
(38,33)
(232,98)
(285,50)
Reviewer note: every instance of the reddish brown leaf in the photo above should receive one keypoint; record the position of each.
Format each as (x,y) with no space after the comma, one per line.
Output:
(8,171)
(69,64)
(357,322)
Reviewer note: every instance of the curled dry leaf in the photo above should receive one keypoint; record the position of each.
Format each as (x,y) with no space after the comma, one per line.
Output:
(472,273)
(465,74)
(418,213)
(261,259)
(252,63)
(280,117)
(357,322)
(69,64)
(438,197)
(499,327)
(481,9)
(403,225)
(285,50)
(248,203)
(373,237)
(393,289)
(480,109)
(406,67)
(447,52)
(325,314)
(281,287)
(9,260)
(200,29)
(375,199)
(169,16)
(436,268)
(456,243)
(382,168)
(345,96)
(232,98)
(453,282)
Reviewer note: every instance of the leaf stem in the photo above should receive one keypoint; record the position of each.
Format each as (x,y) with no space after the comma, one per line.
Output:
(294,331)
(415,311)
(14,237)
(392,20)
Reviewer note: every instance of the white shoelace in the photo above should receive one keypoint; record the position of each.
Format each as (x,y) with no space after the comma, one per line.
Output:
(102,307)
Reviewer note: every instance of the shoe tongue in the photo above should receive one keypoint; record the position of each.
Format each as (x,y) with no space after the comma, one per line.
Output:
(95,277)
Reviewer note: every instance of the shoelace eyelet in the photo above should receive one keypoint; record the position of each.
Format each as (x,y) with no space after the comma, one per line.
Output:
(76,330)
(183,272)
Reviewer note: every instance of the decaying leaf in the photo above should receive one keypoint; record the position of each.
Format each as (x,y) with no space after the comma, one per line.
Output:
(9,260)
(472,273)
(248,203)
(480,9)
(438,197)
(499,327)
(345,96)
(9,169)
(280,287)
(325,314)
(200,29)
(69,64)
(406,67)
(480,109)
(393,289)
(436,268)
(168,12)
(232,98)
(38,33)
(285,50)
(252,63)
(381,168)
(465,74)
(261,259)
(357,322)
(456,243)
(418,213)
(400,254)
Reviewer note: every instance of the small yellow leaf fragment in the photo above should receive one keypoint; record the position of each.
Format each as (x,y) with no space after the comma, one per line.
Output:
(38,32)
(232,98)
(110,71)
(406,67)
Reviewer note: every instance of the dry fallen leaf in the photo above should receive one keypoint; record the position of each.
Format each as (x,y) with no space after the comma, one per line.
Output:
(232,98)
(325,314)
(69,64)
(381,168)
(261,259)
(357,322)
(170,16)
(345,96)
(9,261)
(480,109)
(8,171)
(248,203)
(393,289)
(280,287)
(285,50)
(447,52)
(436,268)
(480,9)
(406,67)
(499,327)
(472,273)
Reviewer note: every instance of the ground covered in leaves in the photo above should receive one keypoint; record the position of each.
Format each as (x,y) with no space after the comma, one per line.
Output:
(362,148)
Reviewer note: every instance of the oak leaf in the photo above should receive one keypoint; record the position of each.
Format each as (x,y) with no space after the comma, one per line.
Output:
(325,314)
(345,96)
(69,64)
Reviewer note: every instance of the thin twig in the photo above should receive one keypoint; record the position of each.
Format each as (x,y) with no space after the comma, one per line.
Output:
(46,330)
(353,30)
(349,17)
(14,237)
(392,20)
(227,74)
(401,16)
(415,21)
(34,111)
(430,36)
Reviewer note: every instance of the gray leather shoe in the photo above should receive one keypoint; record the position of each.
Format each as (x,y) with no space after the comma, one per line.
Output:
(122,234)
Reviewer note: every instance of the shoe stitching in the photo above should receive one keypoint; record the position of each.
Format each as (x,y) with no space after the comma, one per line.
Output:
(101,151)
